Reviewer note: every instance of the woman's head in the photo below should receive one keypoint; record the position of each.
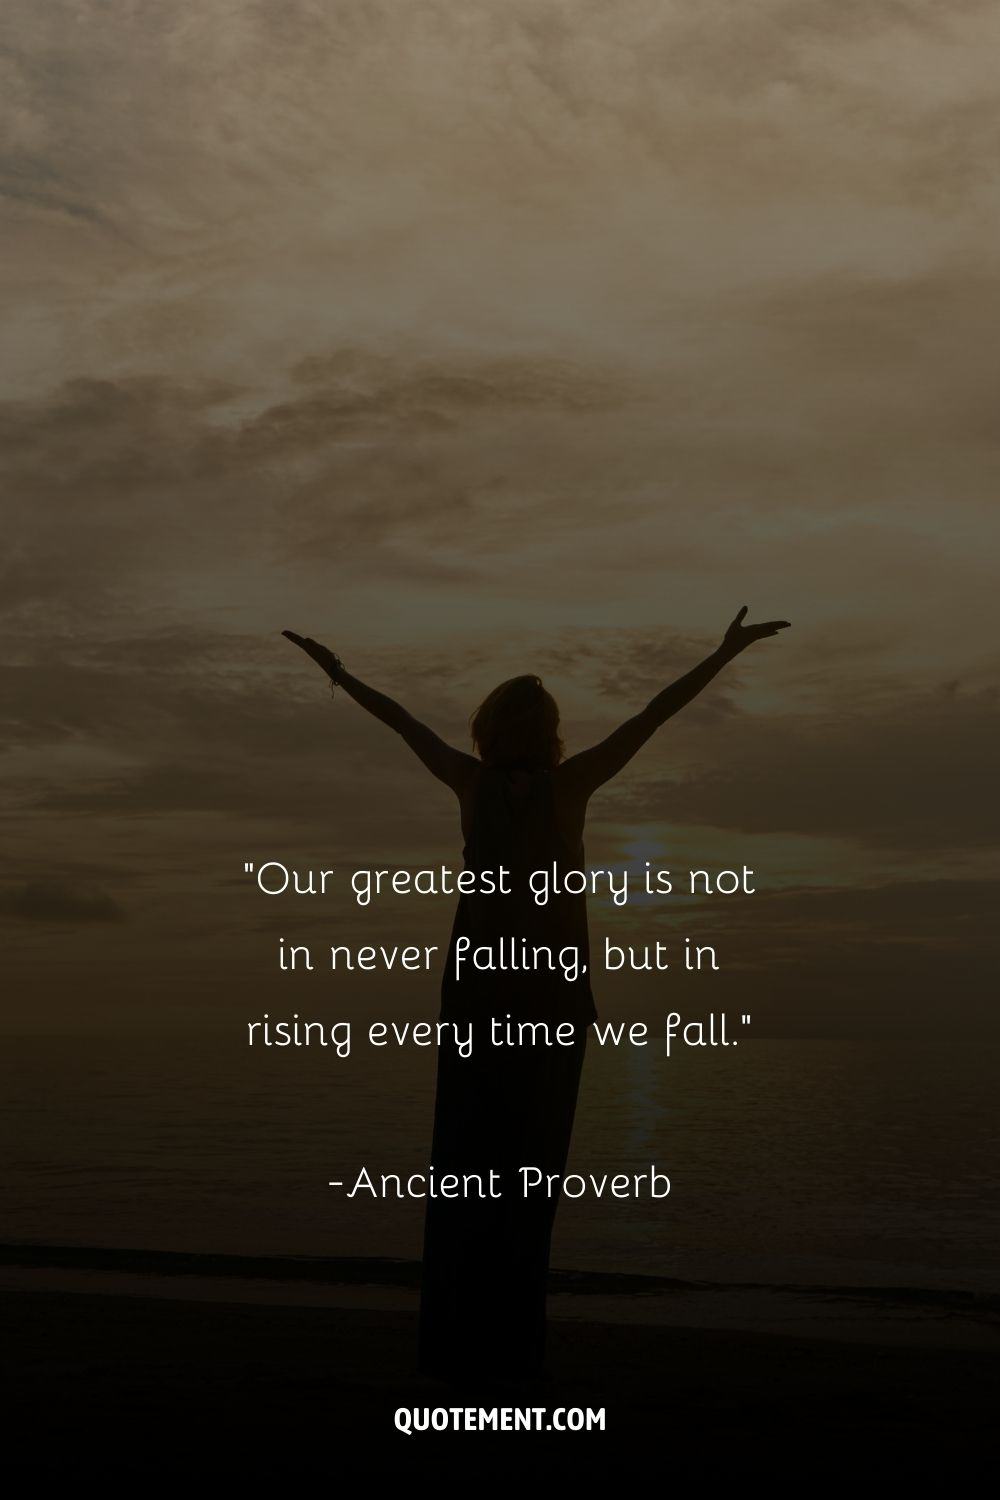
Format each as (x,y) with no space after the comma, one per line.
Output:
(518,725)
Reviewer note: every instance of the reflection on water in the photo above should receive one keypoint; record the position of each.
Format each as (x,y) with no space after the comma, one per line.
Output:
(825,1163)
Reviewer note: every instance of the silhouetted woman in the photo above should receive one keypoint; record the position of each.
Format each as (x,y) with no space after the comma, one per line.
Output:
(506,1107)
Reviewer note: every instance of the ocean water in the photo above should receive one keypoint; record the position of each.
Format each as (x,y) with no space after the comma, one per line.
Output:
(822,1164)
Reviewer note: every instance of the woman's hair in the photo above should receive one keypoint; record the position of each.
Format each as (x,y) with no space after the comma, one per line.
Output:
(518,725)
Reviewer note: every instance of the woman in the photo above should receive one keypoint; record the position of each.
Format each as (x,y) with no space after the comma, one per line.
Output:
(504,1107)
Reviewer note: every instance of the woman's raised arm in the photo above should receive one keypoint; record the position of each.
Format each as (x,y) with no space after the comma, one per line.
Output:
(453,767)
(588,770)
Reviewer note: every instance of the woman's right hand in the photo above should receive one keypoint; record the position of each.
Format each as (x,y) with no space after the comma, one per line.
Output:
(321,655)
(739,636)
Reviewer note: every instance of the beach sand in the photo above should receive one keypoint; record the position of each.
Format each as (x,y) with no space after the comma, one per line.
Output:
(139,1377)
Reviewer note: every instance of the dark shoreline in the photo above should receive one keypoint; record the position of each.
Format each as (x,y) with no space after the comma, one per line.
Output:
(385,1271)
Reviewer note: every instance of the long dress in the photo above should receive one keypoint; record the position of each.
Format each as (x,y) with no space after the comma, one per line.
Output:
(504,1107)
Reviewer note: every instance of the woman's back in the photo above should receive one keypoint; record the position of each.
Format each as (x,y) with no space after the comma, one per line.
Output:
(515,819)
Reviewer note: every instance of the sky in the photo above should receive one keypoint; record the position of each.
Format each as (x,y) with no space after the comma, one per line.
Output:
(483,338)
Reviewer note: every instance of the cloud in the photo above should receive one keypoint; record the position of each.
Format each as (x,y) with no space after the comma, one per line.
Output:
(485,340)
(54,901)
(915,772)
